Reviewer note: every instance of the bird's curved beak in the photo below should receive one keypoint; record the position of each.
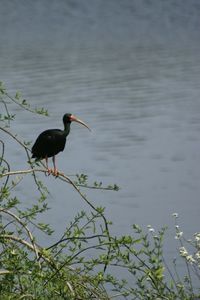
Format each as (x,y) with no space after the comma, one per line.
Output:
(75,119)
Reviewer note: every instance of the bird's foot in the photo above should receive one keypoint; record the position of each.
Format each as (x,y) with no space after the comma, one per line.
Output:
(55,172)
(49,172)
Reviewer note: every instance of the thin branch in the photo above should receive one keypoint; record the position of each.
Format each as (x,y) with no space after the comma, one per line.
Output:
(25,227)
(15,138)
(95,209)
(27,150)
(21,105)
(170,273)
(21,172)
(4,272)
(74,256)
(27,296)
(68,180)
(76,238)
(6,109)
(186,263)
(70,288)
(8,167)
(60,175)
(72,225)
(3,151)
(29,246)
(19,240)
(68,230)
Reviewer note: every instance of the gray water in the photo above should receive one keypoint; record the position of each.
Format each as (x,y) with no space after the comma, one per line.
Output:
(131,70)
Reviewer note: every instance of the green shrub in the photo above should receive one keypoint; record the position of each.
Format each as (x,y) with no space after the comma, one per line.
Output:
(82,263)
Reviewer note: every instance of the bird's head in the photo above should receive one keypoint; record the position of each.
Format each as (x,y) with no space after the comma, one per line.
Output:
(68,118)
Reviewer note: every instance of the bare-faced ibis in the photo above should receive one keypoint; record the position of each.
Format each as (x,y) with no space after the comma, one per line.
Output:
(52,141)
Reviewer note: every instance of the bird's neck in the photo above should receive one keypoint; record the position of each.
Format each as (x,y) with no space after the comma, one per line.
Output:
(67,128)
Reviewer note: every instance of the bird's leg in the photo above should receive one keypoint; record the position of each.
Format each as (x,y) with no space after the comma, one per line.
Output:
(48,170)
(55,171)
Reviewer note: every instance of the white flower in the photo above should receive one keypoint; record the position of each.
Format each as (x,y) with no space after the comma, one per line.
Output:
(197,254)
(197,237)
(190,259)
(183,252)
(197,240)
(178,235)
(151,229)
(175,215)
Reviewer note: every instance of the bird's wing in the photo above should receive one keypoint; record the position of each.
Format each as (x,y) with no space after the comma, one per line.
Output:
(48,143)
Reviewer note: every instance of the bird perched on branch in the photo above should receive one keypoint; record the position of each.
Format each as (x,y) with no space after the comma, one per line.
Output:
(52,141)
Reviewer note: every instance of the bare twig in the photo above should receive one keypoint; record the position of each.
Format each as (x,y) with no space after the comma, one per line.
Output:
(4,272)
(60,175)
(21,172)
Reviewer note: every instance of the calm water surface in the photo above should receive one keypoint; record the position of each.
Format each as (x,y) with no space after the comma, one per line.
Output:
(131,70)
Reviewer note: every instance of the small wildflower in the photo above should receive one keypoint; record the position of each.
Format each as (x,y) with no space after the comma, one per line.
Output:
(183,252)
(180,286)
(149,279)
(197,237)
(197,234)
(151,229)
(178,235)
(197,254)
(190,259)
(175,215)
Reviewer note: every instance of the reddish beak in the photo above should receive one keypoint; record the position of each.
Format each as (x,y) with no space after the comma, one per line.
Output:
(75,119)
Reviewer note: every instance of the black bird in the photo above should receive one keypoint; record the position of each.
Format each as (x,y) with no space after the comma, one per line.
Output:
(50,142)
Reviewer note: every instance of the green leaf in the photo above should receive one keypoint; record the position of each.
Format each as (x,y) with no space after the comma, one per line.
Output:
(17,95)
